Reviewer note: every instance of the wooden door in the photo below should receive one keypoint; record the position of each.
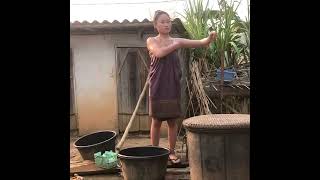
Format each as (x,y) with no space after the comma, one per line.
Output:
(132,72)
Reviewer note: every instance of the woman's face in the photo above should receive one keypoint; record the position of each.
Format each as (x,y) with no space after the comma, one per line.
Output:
(163,24)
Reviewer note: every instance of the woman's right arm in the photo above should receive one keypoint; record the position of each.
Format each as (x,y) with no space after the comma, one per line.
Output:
(159,52)
(187,43)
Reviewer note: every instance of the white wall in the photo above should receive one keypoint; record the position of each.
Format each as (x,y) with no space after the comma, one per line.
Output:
(95,86)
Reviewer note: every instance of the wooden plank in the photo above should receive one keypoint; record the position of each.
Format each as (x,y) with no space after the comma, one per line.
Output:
(145,123)
(237,156)
(122,59)
(177,174)
(90,169)
(120,121)
(142,81)
(125,120)
(138,87)
(136,123)
(124,88)
(133,89)
(212,161)
(120,78)
(206,156)
(132,67)
(144,60)
(183,164)
(194,154)
(178,171)
(78,163)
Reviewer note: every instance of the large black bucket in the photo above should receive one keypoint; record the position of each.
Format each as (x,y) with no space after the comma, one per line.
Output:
(96,142)
(144,163)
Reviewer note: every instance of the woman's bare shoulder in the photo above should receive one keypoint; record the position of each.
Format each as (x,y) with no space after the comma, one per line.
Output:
(151,39)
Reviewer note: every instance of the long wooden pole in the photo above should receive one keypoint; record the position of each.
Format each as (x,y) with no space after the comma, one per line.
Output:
(125,134)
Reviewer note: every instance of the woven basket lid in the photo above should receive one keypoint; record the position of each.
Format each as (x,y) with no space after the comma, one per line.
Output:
(218,121)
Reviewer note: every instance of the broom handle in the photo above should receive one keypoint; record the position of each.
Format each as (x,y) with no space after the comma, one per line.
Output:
(119,145)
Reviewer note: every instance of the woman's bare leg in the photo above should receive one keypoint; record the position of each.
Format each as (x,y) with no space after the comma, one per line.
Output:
(155,131)
(172,136)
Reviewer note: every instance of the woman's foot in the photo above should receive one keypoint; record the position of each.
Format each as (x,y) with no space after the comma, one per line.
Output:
(174,159)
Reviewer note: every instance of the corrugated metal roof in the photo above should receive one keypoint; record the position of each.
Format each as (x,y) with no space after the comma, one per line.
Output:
(95,27)
(125,21)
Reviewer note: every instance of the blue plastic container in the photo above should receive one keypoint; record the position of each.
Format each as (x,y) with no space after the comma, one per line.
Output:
(229,74)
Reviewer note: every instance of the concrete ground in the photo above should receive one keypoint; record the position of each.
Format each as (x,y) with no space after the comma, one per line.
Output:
(133,141)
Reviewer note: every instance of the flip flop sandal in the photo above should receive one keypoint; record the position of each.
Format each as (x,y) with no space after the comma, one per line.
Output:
(175,160)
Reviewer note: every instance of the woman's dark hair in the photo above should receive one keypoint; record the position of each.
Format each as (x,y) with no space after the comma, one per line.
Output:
(157,14)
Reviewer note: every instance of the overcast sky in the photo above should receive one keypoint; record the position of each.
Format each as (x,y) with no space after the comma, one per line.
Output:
(110,10)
